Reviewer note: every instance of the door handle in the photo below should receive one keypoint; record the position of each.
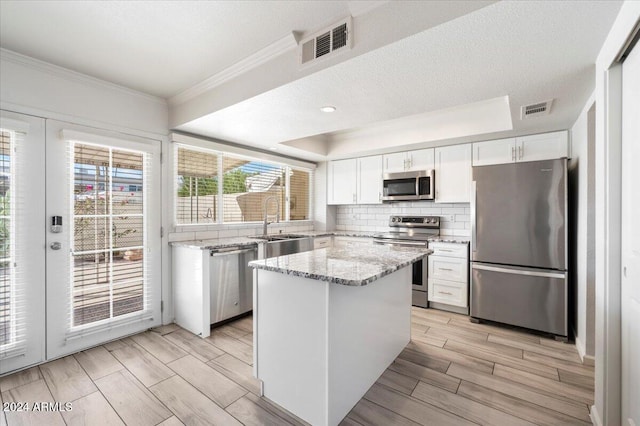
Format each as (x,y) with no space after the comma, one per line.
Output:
(55,245)
(513,153)
(474,225)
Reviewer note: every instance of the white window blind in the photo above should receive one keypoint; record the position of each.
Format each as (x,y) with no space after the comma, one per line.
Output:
(13,331)
(109,271)
(197,186)
(247,183)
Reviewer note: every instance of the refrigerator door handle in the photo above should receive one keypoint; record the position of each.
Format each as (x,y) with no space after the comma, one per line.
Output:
(473,217)
(519,271)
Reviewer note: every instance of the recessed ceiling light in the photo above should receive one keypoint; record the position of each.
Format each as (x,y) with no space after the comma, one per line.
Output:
(328,108)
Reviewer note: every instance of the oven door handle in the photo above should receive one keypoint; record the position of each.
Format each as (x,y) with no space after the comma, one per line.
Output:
(398,243)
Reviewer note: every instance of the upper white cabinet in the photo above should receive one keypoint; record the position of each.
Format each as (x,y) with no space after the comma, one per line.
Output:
(494,152)
(342,182)
(546,146)
(453,173)
(369,180)
(421,159)
(355,181)
(396,162)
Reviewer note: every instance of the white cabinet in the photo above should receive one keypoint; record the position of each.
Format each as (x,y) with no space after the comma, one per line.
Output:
(420,159)
(322,242)
(355,181)
(501,151)
(342,182)
(453,173)
(344,241)
(448,279)
(546,146)
(369,179)
(395,162)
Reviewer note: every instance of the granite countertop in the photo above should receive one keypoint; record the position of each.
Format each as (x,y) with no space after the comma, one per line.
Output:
(249,241)
(217,243)
(353,266)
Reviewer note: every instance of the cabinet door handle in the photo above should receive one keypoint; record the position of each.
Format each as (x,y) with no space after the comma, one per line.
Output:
(513,153)
(445,292)
(446,269)
(521,151)
(379,196)
(354,198)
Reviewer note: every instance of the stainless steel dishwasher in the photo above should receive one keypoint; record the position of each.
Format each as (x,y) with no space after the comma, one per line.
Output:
(231,282)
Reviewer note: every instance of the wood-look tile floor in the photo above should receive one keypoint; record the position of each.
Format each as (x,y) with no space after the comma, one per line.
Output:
(453,372)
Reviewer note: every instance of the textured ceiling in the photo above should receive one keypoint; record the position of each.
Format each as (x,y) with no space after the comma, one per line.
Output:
(409,58)
(528,51)
(157,47)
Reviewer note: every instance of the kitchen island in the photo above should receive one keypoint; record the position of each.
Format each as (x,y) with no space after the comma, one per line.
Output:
(328,322)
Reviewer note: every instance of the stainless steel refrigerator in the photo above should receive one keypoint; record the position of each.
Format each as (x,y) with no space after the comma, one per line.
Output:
(519,245)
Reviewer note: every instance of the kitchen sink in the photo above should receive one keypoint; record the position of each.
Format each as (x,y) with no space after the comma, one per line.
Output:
(282,245)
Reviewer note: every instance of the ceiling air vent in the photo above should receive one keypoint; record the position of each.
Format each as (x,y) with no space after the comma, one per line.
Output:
(535,110)
(324,43)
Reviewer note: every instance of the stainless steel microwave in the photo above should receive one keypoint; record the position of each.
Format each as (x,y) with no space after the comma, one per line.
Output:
(407,186)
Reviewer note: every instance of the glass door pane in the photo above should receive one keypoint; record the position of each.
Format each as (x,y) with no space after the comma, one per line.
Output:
(108,233)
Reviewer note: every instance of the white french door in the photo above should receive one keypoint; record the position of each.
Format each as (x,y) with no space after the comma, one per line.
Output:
(630,253)
(22,254)
(103,236)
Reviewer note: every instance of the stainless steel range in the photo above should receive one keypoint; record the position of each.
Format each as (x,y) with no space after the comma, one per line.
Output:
(412,231)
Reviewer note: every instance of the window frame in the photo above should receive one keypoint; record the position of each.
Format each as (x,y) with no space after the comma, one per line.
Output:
(220,150)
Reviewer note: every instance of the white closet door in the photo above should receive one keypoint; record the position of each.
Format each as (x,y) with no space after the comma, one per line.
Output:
(630,253)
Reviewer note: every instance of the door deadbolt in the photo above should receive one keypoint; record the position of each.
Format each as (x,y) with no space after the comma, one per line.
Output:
(55,246)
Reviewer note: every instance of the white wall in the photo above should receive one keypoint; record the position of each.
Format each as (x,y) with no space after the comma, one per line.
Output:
(33,87)
(580,227)
(606,409)
(375,218)
(39,88)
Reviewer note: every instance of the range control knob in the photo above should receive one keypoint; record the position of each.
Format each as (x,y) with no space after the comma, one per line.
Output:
(393,219)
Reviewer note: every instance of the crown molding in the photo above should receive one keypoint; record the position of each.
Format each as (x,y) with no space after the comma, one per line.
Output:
(275,49)
(48,68)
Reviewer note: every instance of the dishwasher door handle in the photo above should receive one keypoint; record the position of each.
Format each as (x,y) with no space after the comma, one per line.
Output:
(215,253)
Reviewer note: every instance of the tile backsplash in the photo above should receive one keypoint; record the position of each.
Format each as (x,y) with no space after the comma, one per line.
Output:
(454,218)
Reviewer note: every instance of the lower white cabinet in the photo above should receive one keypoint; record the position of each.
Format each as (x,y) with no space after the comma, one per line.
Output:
(321,242)
(448,292)
(448,274)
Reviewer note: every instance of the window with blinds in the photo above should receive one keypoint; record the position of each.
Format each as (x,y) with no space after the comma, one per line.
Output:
(13,284)
(249,188)
(197,186)
(108,239)
(8,289)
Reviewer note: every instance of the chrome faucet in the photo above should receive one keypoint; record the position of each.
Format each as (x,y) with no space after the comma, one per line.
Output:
(265,205)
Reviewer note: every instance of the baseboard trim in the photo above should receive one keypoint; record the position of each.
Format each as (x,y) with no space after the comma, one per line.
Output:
(595,416)
(580,347)
(589,360)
